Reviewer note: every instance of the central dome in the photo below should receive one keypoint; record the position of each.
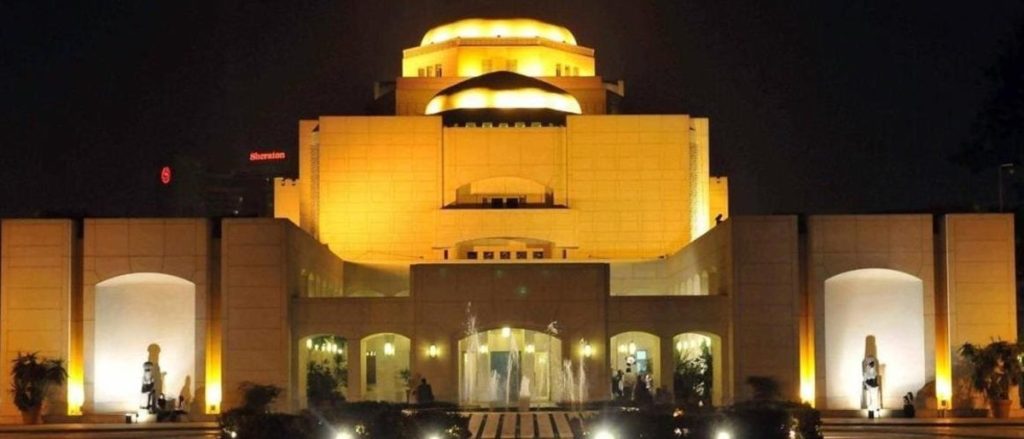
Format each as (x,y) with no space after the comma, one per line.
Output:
(498,28)
(503,90)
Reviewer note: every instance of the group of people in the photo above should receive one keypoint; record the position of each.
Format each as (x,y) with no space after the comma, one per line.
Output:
(633,387)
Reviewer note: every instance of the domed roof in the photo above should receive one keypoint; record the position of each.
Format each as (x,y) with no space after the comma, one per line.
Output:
(503,90)
(498,28)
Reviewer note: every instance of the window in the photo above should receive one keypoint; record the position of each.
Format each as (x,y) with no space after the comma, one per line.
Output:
(471,255)
(520,124)
(430,70)
(575,71)
(521,255)
(437,70)
(558,70)
(488,255)
(420,72)
(506,255)
(538,255)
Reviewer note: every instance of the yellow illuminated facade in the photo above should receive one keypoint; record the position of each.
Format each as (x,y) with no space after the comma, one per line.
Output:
(505,189)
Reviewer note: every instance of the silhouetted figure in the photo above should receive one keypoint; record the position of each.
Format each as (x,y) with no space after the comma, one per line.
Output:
(629,384)
(617,384)
(424,393)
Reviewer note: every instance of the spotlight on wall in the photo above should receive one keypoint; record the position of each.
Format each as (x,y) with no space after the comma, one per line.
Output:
(529,349)
(432,351)
(309,343)
(587,350)
(389,349)
(506,332)
(623,349)
(483,349)
(632,348)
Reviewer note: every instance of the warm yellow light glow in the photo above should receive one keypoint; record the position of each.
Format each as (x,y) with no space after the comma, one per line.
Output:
(943,387)
(506,332)
(213,394)
(632,348)
(623,349)
(309,343)
(498,28)
(483,349)
(432,351)
(477,98)
(530,349)
(76,395)
(587,350)
(389,349)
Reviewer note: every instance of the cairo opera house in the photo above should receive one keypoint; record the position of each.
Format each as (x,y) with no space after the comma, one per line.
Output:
(504,211)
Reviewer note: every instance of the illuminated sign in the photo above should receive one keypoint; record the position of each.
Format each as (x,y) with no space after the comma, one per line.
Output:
(266,156)
(165,175)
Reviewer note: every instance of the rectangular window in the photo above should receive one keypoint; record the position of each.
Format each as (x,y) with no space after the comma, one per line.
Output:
(471,255)
(558,70)
(538,255)
(575,71)
(521,255)
(430,70)
(419,72)
(506,255)
(488,255)
(371,369)
(437,70)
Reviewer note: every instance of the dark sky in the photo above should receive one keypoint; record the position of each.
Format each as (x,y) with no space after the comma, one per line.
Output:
(815,106)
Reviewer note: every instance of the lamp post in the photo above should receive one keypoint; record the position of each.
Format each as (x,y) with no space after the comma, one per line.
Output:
(1008,167)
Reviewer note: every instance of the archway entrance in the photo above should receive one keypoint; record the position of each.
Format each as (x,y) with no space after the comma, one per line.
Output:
(638,353)
(502,366)
(873,312)
(697,379)
(143,317)
(385,374)
(323,370)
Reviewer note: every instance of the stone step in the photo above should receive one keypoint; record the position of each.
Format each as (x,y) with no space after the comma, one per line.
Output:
(532,425)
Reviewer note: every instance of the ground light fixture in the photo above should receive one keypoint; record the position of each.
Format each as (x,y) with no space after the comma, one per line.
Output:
(604,434)
(343,434)
(723,434)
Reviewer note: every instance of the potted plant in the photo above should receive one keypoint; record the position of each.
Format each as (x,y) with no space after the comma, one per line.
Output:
(996,368)
(33,377)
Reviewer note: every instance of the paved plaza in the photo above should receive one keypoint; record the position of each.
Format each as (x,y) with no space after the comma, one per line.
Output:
(834,429)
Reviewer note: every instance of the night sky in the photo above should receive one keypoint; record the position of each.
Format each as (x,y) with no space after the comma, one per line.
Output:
(815,106)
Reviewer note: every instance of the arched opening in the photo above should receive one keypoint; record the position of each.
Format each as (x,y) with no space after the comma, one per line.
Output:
(503,192)
(873,313)
(697,380)
(385,374)
(323,370)
(143,318)
(637,353)
(503,366)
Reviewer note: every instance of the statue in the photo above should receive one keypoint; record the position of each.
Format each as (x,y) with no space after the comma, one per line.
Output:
(872,387)
(148,387)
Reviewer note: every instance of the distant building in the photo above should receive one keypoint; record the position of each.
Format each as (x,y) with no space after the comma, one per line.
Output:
(500,227)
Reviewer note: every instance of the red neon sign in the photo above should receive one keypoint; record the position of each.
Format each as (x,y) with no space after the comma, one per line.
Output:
(165,175)
(266,156)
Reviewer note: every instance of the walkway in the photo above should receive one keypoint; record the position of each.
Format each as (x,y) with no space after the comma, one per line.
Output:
(510,425)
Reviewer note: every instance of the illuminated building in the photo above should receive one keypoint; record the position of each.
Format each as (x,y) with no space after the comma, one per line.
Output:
(503,189)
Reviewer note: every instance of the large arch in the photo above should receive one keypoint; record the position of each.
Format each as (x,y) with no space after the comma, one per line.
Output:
(638,351)
(322,358)
(523,191)
(690,346)
(143,317)
(384,373)
(877,312)
(503,365)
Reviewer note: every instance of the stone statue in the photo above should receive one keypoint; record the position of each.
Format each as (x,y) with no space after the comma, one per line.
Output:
(872,386)
(148,387)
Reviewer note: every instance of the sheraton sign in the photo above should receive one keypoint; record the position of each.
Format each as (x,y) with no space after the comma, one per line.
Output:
(268,156)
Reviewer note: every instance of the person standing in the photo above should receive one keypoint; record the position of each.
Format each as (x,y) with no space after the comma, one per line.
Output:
(424,393)
(617,384)
(629,384)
